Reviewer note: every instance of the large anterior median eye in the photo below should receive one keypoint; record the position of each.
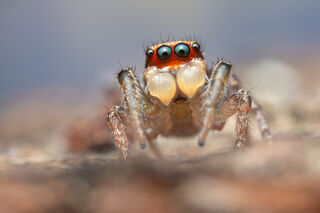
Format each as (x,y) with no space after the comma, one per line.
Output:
(164,53)
(182,50)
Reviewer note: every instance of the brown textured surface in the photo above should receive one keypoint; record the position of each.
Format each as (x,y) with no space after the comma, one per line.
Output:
(279,178)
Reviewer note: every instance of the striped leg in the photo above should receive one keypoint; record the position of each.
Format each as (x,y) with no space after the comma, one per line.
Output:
(239,104)
(215,94)
(243,109)
(132,97)
(115,120)
(256,109)
(263,126)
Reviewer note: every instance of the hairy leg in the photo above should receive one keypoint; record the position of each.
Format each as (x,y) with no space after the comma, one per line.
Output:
(243,110)
(239,103)
(115,120)
(137,106)
(234,84)
(256,109)
(263,126)
(218,125)
(131,95)
(215,93)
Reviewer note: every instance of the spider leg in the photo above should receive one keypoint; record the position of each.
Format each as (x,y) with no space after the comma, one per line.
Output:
(132,93)
(263,126)
(138,104)
(214,96)
(115,121)
(256,109)
(243,110)
(218,125)
(239,103)
(234,84)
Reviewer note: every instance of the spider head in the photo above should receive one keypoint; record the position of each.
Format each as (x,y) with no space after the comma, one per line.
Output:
(174,68)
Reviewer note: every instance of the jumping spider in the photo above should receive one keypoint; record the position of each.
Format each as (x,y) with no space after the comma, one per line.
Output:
(180,97)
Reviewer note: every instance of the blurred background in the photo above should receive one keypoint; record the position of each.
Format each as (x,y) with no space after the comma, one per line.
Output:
(59,60)
(58,57)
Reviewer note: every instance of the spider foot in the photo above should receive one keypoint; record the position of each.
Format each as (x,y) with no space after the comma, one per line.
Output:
(143,145)
(239,146)
(201,143)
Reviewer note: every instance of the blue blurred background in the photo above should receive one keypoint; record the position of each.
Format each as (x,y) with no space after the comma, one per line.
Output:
(78,44)
(72,49)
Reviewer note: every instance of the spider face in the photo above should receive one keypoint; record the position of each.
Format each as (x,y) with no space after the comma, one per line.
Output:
(174,69)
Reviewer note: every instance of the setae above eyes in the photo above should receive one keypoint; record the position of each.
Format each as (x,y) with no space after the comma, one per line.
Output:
(182,50)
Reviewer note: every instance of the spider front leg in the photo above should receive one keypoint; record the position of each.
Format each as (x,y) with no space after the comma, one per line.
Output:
(239,103)
(215,92)
(136,103)
(132,94)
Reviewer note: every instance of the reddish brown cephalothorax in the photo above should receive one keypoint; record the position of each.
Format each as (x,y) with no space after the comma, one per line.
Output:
(180,97)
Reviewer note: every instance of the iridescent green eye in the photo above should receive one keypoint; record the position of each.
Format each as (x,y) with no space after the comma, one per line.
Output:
(182,50)
(149,52)
(164,53)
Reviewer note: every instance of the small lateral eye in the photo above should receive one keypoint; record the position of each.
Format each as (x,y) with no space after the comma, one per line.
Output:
(196,46)
(164,52)
(149,52)
(182,50)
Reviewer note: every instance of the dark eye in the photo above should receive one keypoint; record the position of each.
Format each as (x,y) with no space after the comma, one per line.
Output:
(149,52)
(164,52)
(196,46)
(182,50)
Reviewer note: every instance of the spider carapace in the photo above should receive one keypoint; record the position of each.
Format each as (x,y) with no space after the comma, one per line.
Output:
(180,96)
